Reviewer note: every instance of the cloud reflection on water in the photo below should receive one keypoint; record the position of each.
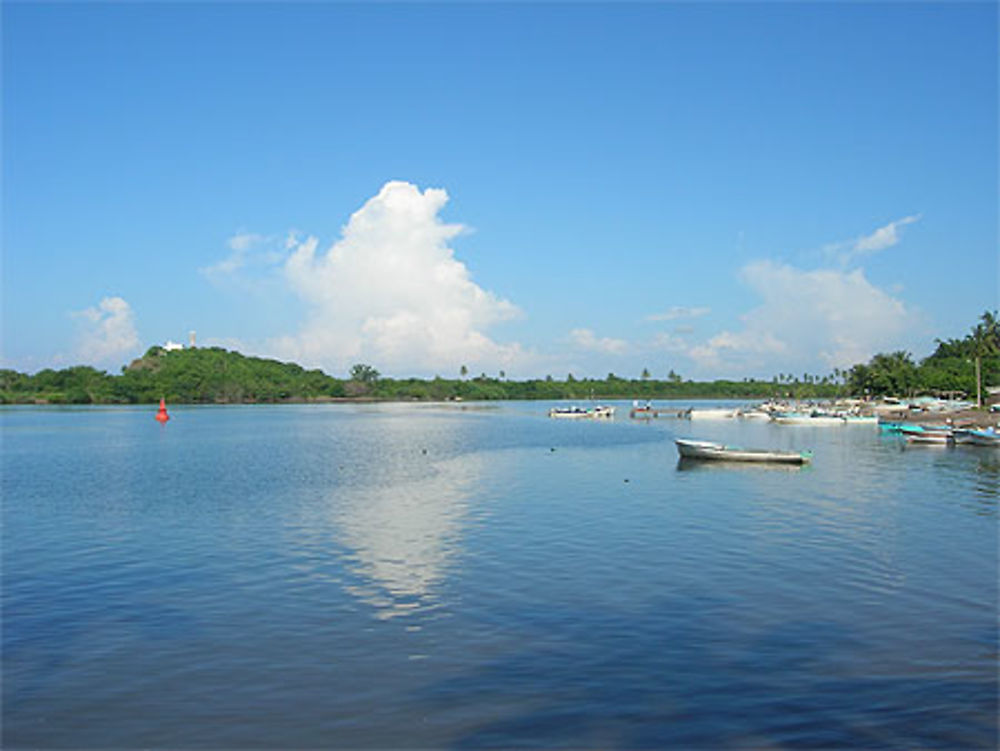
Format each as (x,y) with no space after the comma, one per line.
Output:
(405,534)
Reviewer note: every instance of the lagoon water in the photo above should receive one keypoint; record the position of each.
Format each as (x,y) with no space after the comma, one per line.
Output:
(479,576)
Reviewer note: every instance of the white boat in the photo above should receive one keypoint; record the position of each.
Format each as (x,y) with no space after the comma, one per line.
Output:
(691,449)
(582,412)
(803,418)
(860,420)
(962,435)
(714,413)
(932,437)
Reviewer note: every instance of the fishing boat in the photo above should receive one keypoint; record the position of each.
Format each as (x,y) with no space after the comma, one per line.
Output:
(988,437)
(692,449)
(931,436)
(860,420)
(582,412)
(962,435)
(807,418)
(890,426)
(912,429)
(713,413)
(643,412)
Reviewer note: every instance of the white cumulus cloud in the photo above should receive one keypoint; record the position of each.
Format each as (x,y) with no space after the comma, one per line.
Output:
(586,339)
(390,292)
(833,317)
(107,332)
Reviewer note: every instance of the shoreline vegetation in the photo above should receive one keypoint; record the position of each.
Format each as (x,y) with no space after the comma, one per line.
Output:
(958,368)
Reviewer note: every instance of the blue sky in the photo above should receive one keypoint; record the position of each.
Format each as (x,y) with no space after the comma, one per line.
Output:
(723,190)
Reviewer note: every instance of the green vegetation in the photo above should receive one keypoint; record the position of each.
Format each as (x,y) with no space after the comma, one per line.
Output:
(217,376)
(196,376)
(957,367)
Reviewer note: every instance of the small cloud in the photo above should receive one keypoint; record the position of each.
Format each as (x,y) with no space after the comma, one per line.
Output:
(244,241)
(883,237)
(246,249)
(679,312)
(586,339)
(664,342)
(107,331)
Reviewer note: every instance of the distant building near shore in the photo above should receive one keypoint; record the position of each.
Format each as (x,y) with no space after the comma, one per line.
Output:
(172,346)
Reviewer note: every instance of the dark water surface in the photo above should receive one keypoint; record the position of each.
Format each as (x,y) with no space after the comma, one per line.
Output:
(375,577)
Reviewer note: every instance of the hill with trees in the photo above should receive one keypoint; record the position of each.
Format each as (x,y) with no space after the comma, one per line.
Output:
(217,376)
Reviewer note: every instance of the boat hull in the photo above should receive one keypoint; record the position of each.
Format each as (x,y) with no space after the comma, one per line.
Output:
(813,420)
(984,438)
(710,414)
(706,450)
(577,413)
(930,437)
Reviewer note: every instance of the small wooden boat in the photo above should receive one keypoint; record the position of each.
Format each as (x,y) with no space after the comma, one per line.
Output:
(962,435)
(889,426)
(691,449)
(802,418)
(713,413)
(988,437)
(860,420)
(931,436)
(643,412)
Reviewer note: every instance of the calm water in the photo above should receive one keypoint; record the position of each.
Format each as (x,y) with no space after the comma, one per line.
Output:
(442,577)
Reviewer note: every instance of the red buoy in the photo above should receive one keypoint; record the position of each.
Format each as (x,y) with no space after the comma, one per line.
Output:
(162,415)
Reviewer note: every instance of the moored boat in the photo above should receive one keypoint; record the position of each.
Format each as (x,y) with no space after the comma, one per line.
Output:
(643,413)
(911,429)
(807,418)
(712,413)
(931,436)
(599,411)
(754,414)
(693,449)
(962,435)
(860,420)
(890,426)
(988,437)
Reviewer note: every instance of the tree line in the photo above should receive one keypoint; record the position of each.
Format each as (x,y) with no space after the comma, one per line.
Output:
(216,376)
(960,367)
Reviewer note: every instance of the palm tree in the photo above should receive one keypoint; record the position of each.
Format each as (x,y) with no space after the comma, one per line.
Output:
(985,341)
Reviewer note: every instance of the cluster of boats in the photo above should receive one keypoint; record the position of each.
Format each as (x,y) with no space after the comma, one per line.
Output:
(782,414)
(814,417)
(943,435)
